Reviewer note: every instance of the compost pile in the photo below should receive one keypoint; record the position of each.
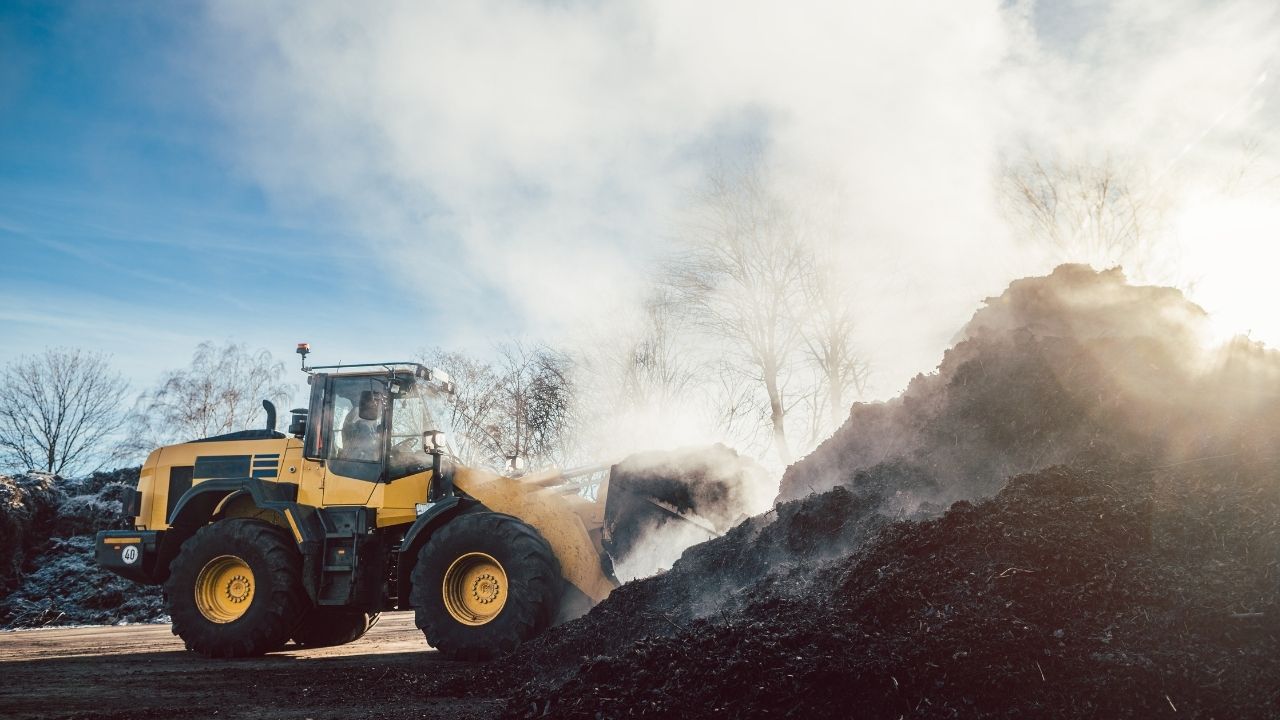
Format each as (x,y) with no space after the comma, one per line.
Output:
(49,575)
(1078,515)
(1076,367)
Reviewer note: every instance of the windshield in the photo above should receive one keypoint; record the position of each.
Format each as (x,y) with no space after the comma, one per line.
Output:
(417,407)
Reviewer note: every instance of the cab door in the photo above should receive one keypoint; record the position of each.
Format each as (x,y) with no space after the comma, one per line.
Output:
(356,439)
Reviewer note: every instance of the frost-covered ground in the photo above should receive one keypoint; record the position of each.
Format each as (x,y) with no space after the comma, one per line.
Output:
(48,575)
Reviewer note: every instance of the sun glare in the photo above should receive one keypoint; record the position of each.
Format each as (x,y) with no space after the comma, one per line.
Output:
(1231,254)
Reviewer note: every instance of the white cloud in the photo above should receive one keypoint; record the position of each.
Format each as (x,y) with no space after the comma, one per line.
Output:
(529,157)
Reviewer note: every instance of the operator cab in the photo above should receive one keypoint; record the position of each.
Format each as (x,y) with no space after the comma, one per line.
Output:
(378,425)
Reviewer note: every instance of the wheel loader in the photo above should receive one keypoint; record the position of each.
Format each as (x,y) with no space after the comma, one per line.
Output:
(260,537)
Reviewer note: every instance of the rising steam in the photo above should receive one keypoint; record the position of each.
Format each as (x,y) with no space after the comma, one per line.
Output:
(541,152)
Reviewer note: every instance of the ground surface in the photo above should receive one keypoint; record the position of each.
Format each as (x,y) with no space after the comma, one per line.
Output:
(142,671)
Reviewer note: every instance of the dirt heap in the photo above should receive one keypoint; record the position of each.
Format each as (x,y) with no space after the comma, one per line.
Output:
(1072,593)
(48,523)
(1121,572)
(1078,366)
(710,579)
(28,504)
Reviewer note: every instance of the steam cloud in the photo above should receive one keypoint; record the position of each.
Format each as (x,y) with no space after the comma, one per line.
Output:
(539,152)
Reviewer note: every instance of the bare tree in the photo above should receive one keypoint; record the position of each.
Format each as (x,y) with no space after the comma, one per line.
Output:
(522,406)
(474,405)
(221,391)
(59,411)
(536,422)
(1083,211)
(656,371)
(829,343)
(829,325)
(740,273)
(1256,171)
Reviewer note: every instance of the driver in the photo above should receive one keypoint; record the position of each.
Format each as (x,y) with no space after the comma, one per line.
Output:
(361,429)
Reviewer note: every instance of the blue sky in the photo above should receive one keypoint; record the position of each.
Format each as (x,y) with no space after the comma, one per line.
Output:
(125,225)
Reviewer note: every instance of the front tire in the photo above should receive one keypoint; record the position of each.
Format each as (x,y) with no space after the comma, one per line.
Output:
(483,584)
(235,589)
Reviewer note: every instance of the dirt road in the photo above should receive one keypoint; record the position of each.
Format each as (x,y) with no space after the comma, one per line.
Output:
(143,671)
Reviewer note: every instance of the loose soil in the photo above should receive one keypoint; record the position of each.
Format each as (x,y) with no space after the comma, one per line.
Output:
(1072,593)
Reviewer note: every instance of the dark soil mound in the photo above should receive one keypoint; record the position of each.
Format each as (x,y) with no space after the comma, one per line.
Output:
(713,578)
(1072,593)
(47,525)
(66,587)
(28,505)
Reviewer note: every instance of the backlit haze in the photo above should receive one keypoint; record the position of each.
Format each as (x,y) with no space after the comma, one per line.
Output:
(377,179)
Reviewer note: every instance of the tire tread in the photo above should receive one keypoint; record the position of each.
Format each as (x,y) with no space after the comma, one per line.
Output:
(285,600)
(534,580)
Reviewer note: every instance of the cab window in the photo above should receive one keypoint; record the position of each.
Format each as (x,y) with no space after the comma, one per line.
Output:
(357,433)
(410,418)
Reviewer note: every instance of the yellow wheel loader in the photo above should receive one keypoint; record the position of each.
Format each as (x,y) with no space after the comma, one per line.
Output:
(261,537)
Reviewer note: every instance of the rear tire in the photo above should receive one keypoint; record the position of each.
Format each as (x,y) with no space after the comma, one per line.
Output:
(326,627)
(483,584)
(235,589)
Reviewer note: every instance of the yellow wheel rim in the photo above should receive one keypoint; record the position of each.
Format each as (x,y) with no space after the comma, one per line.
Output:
(224,589)
(475,589)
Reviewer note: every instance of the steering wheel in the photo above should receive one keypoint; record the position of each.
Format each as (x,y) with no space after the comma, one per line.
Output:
(405,444)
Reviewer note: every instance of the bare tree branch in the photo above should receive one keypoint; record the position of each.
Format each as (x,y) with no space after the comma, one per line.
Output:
(1095,212)
(829,324)
(521,407)
(740,276)
(59,410)
(221,391)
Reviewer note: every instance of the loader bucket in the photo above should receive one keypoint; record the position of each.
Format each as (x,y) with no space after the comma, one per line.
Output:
(704,490)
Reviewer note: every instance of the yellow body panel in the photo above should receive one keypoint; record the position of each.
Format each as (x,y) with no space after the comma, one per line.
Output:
(154,479)
(340,490)
(147,486)
(310,476)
